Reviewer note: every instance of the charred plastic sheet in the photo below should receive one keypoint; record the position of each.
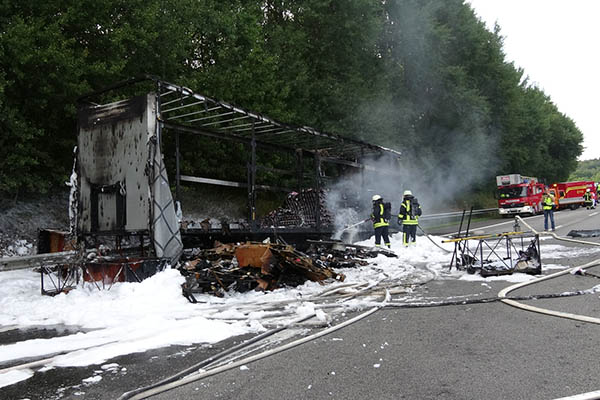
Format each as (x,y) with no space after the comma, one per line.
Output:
(265,266)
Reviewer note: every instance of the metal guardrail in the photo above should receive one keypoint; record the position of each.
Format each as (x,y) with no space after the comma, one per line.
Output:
(24,262)
(36,260)
(458,214)
(431,220)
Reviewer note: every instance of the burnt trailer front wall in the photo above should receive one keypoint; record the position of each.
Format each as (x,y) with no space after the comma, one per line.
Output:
(113,162)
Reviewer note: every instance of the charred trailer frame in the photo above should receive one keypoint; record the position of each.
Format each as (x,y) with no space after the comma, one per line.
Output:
(180,111)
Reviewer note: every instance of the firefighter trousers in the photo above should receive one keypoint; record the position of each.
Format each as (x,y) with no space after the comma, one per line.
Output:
(382,231)
(410,234)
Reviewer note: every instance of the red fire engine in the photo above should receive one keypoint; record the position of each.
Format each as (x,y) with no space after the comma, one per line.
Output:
(519,194)
(570,194)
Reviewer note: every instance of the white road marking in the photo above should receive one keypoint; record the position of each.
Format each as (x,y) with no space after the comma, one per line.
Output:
(583,396)
(592,214)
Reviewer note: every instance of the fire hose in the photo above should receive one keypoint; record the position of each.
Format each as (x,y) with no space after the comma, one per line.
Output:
(236,364)
(356,224)
(432,241)
(178,379)
(502,294)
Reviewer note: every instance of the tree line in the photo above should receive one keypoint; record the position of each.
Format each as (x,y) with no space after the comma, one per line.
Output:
(587,170)
(421,76)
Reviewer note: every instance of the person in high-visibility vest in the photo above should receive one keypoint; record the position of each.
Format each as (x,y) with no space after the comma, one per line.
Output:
(381,222)
(588,199)
(548,206)
(408,217)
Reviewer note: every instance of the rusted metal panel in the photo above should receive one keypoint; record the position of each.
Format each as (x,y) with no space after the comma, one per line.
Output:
(113,154)
(52,241)
(107,272)
(252,255)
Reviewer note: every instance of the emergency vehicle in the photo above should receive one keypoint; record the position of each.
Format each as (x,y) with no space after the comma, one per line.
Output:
(519,194)
(570,194)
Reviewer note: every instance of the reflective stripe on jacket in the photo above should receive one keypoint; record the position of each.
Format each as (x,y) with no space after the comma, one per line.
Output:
(404,214)
(377,216)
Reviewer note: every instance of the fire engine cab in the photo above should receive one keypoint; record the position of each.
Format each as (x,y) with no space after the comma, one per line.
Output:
(519,194)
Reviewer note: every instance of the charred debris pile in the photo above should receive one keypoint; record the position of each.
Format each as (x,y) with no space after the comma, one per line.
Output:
(254,265)
(267,266)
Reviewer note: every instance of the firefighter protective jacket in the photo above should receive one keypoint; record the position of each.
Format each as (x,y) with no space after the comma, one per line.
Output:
(377,215)
(405,215)
(587,197)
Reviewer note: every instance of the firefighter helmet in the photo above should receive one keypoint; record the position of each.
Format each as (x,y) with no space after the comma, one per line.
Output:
(587,190)
(407,193)
(376,197)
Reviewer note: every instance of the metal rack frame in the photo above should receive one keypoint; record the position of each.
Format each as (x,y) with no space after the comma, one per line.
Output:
(183,111)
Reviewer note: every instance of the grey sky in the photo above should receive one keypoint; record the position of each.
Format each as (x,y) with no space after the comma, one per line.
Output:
(555,42)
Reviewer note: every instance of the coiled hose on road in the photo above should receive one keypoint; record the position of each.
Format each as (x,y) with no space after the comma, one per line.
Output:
(173,381)
(502,294)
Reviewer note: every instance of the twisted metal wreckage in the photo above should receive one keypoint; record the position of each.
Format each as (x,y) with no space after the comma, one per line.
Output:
(125,222)
(496,254)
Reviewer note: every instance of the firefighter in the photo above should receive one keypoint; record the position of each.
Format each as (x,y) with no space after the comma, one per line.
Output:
(380,217)
(408,217)
(548,206)
(588,199)
(381,222)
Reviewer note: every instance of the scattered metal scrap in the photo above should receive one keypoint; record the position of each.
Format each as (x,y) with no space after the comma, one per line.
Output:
(300,209)
(248,266)
(267,266)
(497,254)
(339,249)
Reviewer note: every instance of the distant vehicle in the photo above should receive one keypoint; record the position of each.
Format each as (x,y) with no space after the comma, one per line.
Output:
(519,194)
(570,194)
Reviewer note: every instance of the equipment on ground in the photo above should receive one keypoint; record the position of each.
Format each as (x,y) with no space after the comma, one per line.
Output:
(497,254)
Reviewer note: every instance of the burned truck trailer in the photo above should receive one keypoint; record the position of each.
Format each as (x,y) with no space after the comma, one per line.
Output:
(125,225)
(124,188)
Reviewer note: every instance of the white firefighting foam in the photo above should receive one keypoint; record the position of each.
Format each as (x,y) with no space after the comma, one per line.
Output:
(135,317)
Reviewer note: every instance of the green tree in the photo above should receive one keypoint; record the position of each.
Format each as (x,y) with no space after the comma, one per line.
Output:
(421,76)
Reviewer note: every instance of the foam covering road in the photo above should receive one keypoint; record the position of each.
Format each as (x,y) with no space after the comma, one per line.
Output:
(475,351)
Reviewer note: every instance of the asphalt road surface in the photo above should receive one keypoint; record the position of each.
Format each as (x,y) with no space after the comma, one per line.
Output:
(471,351)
